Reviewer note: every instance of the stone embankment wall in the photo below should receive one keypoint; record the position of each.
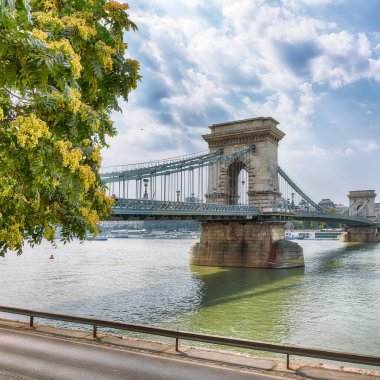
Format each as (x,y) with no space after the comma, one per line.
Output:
(253,245)
(361,235)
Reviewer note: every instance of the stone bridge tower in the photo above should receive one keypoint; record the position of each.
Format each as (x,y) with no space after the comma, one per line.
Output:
(246,243)
(357,199)
(261,164)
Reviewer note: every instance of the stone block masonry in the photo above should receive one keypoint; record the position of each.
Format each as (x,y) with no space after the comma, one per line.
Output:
(361,235)
(245,244)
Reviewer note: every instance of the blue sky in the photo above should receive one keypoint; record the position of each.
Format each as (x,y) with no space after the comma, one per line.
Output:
(314,65)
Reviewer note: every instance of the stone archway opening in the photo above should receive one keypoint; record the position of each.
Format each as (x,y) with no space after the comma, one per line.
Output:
(243,186)
(237,176)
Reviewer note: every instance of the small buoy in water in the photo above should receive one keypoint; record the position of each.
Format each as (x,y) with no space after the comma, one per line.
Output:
(51,257)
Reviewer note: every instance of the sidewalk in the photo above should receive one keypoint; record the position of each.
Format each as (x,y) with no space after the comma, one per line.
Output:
(225,359)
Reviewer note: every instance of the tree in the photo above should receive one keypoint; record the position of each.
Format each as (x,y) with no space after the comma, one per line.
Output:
(62,70)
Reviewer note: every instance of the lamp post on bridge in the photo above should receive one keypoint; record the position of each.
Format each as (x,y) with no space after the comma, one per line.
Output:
(178,194)
(146,181)
(242,192)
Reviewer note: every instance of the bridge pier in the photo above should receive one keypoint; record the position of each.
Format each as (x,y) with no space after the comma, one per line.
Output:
(361,235)
(245,244)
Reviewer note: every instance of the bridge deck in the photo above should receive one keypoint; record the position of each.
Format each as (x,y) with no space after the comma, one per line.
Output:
(139,209)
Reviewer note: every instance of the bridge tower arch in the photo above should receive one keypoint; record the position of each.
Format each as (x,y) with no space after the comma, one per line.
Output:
(232,175)
(261,164)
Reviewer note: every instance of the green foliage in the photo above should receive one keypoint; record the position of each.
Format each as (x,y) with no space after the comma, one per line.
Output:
(63,67)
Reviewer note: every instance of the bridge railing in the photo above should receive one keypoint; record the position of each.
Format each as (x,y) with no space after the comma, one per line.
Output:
(196,337)
(309,212)
(335,217)
(152,207)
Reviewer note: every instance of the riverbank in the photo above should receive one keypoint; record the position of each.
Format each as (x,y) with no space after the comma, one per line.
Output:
(298,369)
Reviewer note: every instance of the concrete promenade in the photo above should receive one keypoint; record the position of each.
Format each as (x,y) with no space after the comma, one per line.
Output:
(46,352)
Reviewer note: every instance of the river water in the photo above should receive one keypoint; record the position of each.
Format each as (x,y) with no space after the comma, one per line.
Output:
(333,303)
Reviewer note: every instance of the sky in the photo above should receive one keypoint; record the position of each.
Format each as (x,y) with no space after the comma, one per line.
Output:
(313,65)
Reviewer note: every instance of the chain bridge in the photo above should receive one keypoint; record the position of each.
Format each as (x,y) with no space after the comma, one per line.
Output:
(238,191)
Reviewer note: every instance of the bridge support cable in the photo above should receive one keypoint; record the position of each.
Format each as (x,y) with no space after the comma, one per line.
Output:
(180,180)
(293,196)
(347,210)
(362,210)
(149,169)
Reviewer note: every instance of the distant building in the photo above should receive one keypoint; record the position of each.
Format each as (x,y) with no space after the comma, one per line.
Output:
(303,205)
(326,204)
(192,199)
(340,208)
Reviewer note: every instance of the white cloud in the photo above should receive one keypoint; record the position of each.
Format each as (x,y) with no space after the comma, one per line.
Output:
(319,2)
(205,62)
(364,146)
(344,59)
(316,151)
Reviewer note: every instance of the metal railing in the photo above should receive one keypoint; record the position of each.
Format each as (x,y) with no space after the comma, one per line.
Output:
(212,339)
(335,217)
(151,207)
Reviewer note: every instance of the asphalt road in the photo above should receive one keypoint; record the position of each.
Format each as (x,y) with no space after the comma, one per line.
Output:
(26,355)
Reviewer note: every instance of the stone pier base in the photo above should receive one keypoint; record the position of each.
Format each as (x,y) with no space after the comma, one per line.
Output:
(361,235)
(248,244)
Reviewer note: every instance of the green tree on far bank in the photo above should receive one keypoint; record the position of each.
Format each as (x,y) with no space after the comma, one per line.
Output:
(62,69)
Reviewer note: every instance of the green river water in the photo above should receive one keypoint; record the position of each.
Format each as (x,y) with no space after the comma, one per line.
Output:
(333,303)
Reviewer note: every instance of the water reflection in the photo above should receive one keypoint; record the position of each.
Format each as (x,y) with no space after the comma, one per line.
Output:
(245,302)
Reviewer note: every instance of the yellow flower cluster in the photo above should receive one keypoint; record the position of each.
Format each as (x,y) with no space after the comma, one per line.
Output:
(54,182)
(6,192)
(35,204)
(51,5)
(68,50)
(75,99)
(90,117)
(93,86)
(73,103)
(136,67)
(80,25)
(104,53)
(47,20)
(40,34)
(117,12)
(70,158)
(49,233)
(101,197)
(96,157)
(93,218)
(87,176)
(86,143)
(1,114)
(115,5)
(12,236)
(90,215)
(29,130)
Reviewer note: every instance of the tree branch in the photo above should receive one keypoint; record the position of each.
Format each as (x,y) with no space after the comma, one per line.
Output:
(16,96)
